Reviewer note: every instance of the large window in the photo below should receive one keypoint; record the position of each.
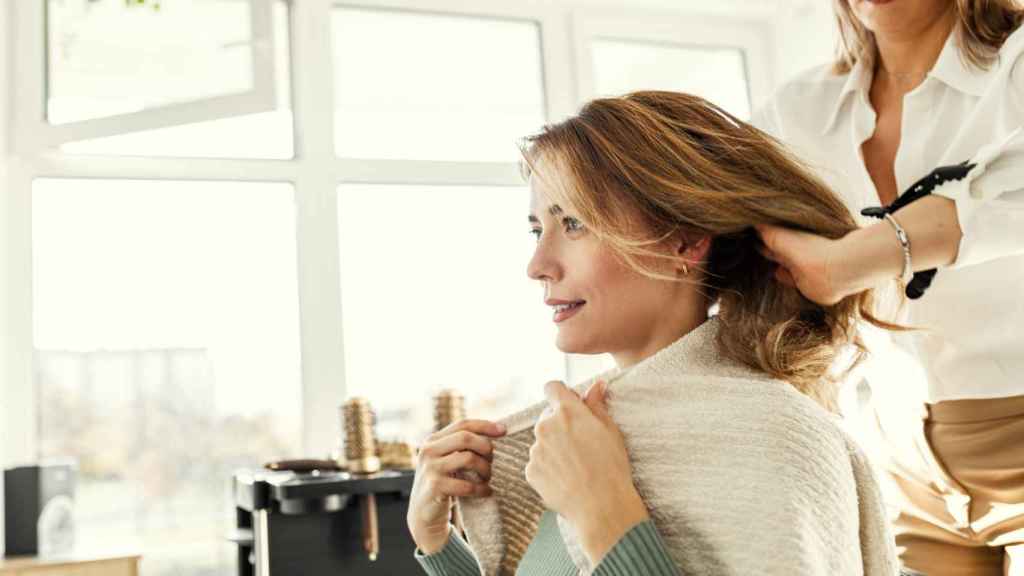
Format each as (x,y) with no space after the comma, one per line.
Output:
(167,354)
(231,215)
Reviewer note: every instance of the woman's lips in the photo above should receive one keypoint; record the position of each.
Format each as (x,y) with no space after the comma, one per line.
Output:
(563,315)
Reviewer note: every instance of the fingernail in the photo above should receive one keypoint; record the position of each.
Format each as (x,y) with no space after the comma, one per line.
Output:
(501,428)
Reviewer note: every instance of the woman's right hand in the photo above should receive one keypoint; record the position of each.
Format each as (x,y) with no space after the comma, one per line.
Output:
(806,262)
(462,445)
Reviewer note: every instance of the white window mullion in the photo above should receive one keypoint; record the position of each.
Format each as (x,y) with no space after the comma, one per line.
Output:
(583,62)
(19,411)
(6,339)
(560,90)
(323,351)
(428,172)
(55,165)
(29,100)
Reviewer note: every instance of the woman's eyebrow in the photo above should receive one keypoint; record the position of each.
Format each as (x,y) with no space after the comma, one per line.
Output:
(554,210)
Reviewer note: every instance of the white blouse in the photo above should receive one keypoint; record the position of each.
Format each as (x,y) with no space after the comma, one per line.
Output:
(974,311)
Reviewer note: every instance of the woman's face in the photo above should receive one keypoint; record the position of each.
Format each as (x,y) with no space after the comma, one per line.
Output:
(599,303)
(895,18)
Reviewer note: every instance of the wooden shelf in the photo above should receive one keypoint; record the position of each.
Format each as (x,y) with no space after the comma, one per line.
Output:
(73,564)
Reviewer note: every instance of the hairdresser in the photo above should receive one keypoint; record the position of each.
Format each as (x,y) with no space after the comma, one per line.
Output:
(916,127)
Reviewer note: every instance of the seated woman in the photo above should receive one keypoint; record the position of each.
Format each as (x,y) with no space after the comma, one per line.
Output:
(712,448)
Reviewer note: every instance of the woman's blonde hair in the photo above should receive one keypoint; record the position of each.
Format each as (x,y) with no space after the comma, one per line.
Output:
(982,27)
(647,167)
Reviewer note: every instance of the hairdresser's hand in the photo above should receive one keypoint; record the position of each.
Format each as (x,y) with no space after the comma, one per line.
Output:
(807,262)
(463,445)
(580,467)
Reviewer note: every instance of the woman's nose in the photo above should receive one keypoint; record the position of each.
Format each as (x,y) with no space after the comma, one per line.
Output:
(542,265)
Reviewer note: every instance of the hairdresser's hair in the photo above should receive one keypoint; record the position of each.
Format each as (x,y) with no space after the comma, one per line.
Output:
(982,27)
(648,167)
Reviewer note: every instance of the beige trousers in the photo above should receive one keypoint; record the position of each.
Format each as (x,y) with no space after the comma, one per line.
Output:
(956,473)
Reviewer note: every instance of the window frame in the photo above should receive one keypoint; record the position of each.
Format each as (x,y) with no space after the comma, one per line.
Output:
(37,133)
(751,35)
(314,172)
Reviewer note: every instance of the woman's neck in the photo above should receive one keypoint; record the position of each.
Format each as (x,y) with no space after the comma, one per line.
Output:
(905,58)
(668,333)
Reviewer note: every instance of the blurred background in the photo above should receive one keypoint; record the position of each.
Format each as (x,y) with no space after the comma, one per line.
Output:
(222,218)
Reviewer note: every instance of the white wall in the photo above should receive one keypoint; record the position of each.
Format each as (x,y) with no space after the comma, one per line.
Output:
(805,35)
(6,89)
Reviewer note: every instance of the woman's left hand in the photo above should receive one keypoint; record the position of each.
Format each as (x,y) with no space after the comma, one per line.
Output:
(580,467)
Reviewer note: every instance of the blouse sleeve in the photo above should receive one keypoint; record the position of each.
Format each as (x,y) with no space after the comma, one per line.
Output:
(990,203)
(764,118)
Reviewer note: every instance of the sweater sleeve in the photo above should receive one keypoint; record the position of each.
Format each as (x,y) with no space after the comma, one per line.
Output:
(641,551)
(455,559)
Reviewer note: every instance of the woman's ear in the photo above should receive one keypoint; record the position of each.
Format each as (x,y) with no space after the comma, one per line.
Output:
(692,249)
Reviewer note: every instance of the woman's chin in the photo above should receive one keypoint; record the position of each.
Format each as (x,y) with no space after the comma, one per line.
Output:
(569,345)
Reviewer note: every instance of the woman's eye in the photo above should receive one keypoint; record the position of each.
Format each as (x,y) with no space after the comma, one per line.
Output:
(535,232)
(572,224)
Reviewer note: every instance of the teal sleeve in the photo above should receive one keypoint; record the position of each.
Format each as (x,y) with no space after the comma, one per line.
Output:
(639,551)
(455,559)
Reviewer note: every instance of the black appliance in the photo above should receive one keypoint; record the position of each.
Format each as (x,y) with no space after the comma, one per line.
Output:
(299,524)
(39,509)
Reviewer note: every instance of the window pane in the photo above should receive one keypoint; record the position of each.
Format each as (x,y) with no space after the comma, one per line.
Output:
(716,74)
(434,87)
(435,295)
(109,57)
(166,317)
(263,135)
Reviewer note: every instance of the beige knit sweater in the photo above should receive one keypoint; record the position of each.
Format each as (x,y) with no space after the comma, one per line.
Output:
(742,474)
